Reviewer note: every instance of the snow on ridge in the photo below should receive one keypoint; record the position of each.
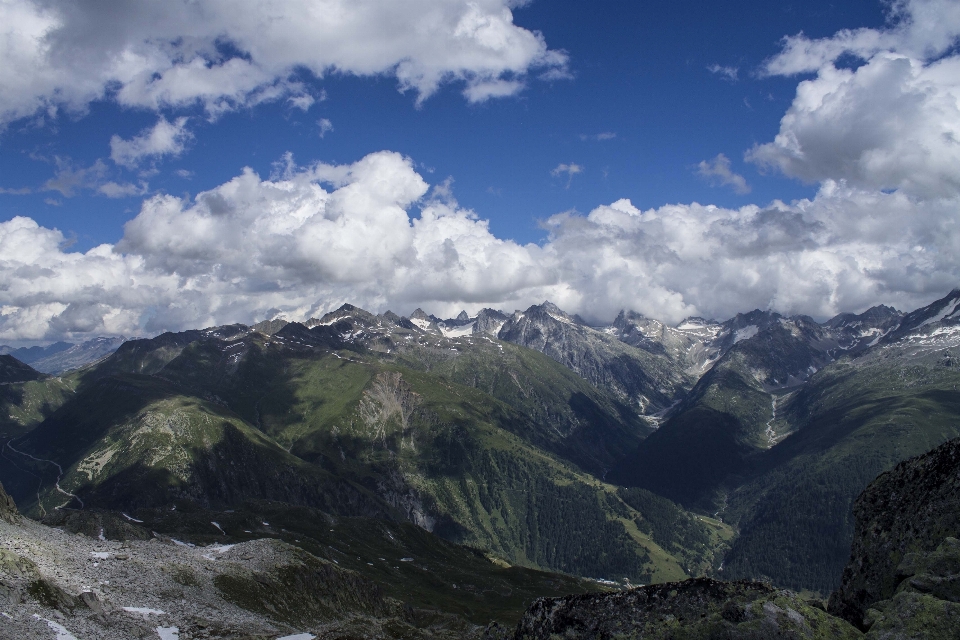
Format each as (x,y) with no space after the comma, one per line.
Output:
(948,310)
(746,333)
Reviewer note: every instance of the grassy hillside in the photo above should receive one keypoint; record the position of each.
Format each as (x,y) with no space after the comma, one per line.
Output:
(357,431)
(854,420)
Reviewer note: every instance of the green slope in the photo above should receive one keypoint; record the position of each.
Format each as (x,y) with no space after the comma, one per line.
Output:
(854,420)
(379,431)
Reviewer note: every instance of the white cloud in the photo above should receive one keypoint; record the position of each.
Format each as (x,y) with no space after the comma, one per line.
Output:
(921,29)
(568,170)
(122,190)
(164,138)
(69,178)
(374,234)
(891,123)
(599,137)
(718,171)
(730,73)
(57,54)
(325,126)
(302,102)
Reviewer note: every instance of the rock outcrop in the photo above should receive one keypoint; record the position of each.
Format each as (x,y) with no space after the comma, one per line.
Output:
(697,608)
(904,548)
(8,508)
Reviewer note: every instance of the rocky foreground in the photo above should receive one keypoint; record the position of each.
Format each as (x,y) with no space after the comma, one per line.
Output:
(57,585)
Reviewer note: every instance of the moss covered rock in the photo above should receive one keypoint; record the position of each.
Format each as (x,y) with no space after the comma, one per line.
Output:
(698,608)
(905,524)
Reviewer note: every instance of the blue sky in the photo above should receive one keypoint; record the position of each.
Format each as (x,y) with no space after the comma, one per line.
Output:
(606,102)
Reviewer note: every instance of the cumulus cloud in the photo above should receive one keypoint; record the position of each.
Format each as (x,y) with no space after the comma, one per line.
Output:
(891,123)
(718,171)
(225,54)
(164,138)
(375,234)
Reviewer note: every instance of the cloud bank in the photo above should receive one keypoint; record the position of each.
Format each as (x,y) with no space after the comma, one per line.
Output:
(225,54)
(880,139)
(375,234)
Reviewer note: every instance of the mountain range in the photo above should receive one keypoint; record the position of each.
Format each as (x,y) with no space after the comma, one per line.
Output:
(631,453)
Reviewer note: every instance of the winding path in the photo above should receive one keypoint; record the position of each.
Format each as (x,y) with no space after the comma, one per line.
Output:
(56,483)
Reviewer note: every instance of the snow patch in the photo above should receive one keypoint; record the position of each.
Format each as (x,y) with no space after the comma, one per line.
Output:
(62,633)
(457,332)
(217,525)
(423,324)
(168,633)
(129,518)
(100,555)
(299,636)
(144,611)
(746,333)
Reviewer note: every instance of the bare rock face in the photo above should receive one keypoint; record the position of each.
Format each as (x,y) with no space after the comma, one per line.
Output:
(698,608)
(8,508)
(904,543)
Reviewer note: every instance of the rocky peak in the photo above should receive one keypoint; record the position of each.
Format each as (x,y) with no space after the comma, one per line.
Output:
(489,321)
(424,322)
(463,317)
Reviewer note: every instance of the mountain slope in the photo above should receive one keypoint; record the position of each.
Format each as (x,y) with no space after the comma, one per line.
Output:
(361,415)
(729,415)
(852,421)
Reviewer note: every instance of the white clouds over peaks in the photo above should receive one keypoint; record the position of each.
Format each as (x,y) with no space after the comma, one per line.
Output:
(225,53)
(165,138)
(892,123)
(307,240)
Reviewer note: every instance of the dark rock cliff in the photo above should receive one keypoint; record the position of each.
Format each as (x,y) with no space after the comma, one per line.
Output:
(906,524)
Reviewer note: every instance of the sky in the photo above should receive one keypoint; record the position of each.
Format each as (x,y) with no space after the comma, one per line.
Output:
(178,164)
